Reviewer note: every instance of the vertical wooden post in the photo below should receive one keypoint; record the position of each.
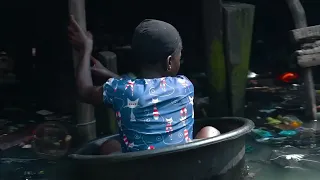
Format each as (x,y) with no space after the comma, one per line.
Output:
(106,119)
(300,21)
(84,112)
(238,26)
(214,53)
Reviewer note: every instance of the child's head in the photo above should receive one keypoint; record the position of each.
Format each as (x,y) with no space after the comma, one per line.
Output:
(157,44)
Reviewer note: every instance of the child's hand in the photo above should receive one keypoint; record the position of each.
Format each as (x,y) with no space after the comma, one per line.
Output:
(97,68)
(81,40)
(96,64)
(100,71)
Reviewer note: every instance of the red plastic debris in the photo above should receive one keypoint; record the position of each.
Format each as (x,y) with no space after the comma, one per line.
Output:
(288,77)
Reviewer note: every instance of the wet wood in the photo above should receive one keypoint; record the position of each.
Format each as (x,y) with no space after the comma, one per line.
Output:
(109,60)
(84,112)
(300,21)
(238,20)
(214,55)
(313,44)
(309,60)
(308,51)
(306,33)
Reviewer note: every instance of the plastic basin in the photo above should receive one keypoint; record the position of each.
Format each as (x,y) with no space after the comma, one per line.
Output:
(221,157)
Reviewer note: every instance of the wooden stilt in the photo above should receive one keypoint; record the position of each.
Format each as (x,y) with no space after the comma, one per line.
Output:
(215,60)
(300,21)
(106,120)
(84,112)
(238,26)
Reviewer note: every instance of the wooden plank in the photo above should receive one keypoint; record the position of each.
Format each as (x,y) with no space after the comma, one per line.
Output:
(310,44)
(84,112)
(308,51)
(215,62)
(305,33)
(309,60)
(238,28)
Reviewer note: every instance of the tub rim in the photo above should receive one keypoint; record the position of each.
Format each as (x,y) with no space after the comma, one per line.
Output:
(234,134)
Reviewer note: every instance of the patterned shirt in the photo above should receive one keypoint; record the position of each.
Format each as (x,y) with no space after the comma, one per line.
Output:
(151,113)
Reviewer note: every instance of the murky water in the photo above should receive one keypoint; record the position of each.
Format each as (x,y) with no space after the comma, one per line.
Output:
(296,169)
(284,162)
(18,164)
(265,162)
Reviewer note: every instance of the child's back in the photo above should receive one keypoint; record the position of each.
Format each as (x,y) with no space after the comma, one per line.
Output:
(154,110)
(152,113)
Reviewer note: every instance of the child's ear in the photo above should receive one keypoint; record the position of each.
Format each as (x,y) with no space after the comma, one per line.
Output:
(169,63)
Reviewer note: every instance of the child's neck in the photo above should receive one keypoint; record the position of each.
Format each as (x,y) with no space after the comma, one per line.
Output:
(150,74)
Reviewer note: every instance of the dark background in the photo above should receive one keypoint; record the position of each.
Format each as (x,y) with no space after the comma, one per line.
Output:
(42,25)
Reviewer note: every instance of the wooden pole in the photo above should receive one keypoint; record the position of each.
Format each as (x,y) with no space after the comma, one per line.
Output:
(106,119)
(84,112)
(215,60)
(238,26)
(300,21)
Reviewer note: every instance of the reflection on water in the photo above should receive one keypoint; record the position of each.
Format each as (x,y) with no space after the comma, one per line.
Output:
(276,163)
(285,158)
(24,164)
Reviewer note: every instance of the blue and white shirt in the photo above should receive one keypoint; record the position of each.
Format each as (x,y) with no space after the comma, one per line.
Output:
(151,113)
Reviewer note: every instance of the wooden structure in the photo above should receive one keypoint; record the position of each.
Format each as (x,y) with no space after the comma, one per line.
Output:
(215,59)
(227,52)
(238,20)
(84,112)
(306,37)
(228,48)
(106,120)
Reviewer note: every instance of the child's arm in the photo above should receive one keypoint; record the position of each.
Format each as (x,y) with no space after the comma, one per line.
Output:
(99,70)
(88,93)
(83,40)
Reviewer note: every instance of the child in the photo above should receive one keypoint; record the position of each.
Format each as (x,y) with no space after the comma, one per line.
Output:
(153,110)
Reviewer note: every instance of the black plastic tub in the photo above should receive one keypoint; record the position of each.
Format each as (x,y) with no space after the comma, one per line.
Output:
(221,157)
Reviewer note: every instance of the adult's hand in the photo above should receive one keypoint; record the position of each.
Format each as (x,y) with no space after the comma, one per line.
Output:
(80,39)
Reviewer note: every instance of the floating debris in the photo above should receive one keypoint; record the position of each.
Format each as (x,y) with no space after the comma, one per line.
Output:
(251,75)
(27,146)
(44,112)
(16,160)
(267,110)
(67,138)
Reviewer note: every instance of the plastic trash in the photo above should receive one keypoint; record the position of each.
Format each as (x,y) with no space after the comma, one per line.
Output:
(264,136)
(252,75)
(249,149)
(32,175)
(287,133)
(268,111)
(262,133)
(288,122)
(273,121)
(26,146)
(272,140)
(295,158)
(291,120)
